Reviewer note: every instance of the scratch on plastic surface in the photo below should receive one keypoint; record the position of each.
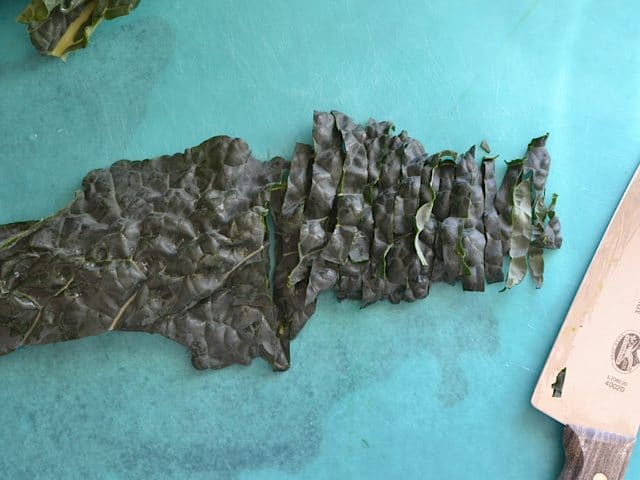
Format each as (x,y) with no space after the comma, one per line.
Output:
(372,43)
(527,369)
(523,18)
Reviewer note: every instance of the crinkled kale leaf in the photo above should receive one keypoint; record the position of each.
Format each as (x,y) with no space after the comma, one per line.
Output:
(56,27)
(178,245)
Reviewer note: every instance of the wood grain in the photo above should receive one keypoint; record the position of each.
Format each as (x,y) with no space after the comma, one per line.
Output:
(595,455)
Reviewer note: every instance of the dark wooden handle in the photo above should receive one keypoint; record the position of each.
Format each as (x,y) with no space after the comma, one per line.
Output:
(595,455)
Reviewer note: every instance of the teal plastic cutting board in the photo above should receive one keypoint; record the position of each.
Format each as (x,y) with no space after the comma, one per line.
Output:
(435,389)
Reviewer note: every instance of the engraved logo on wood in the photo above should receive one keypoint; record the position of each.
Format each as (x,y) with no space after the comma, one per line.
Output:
(625,352)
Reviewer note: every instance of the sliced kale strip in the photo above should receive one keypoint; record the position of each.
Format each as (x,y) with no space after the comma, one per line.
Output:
(389,243)
(287,209)
(521,229)
(354,214)
(403,265)
(546,225)
(414,162)
(493,259)
(427,225)
(445,266)
(179,245)
(504,202)
(312,272)
(378,138)
(469,192)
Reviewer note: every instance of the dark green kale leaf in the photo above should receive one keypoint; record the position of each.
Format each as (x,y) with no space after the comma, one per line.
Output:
(57,27)
(176,245)
(13,229)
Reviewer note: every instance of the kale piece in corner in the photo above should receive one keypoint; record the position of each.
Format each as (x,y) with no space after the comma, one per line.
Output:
(178,245)
(57,27)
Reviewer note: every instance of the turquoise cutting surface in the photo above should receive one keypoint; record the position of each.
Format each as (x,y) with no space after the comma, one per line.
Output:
(435,389)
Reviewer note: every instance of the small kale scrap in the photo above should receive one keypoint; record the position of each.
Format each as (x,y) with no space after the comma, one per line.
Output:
(57,27)
(179,245)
